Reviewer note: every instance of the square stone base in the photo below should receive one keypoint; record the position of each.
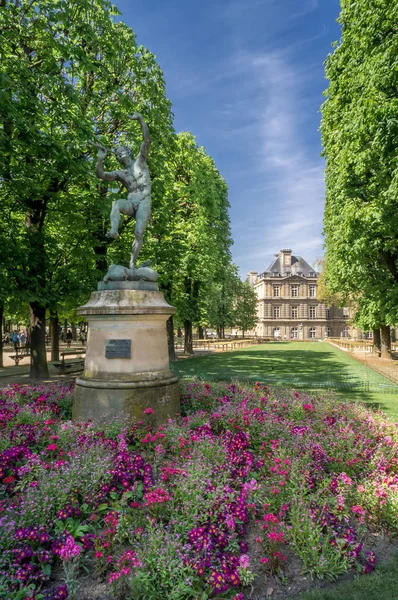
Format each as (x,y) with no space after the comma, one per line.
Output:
(98,402)
(126,368)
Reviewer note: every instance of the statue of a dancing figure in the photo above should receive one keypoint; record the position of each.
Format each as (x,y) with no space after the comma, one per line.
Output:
(134,175)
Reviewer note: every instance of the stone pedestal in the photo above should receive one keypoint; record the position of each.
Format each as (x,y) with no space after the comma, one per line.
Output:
(127,363)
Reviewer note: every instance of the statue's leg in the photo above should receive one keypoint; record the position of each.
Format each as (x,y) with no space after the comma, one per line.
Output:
(118,207)
(142,216)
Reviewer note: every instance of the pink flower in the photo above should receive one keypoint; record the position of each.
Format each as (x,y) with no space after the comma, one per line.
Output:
(264,560)
(69,549)
(244,561)
(345,479)
(52,447)
(358,510)
(148,411)
(230,522)
(270,518)
(273,536)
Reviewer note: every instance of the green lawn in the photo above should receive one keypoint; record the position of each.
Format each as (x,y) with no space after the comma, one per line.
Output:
(298,364)
(381,585)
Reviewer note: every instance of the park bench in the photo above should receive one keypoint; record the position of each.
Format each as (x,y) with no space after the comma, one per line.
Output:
(21,352)
(63,366)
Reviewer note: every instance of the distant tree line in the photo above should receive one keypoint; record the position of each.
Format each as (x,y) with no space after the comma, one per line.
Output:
(360,140)
(70,73)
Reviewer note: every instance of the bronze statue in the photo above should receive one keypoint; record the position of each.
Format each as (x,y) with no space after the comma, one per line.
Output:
(134,175)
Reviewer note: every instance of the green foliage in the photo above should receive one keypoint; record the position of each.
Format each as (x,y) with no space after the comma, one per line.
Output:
(360,137)
(193,252)
(380,585)
(245,307)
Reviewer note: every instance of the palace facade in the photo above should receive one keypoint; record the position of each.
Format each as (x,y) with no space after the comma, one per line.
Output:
(288,307)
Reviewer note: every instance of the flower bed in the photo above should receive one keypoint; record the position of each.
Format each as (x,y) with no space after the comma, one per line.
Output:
(246,482)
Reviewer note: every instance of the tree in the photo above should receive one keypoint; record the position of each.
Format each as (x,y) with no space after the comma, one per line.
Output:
(360,138)
(68,71)
(199,235)
(245,307)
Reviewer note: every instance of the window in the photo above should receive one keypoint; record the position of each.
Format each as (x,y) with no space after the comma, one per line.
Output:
(369,335)
(328,331)
(312,291)
(345,333)
(328,313)
(295,291)
(294,333)
(346,312)
(312,333)
(277,291)
(277,312)
(295,312)
(277,333)
(312,312)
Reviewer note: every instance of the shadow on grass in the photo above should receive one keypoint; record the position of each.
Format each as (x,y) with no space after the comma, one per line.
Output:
(277,364)
(311,366)
(381,585)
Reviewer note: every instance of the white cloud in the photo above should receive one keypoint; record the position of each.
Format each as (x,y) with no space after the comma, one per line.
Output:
(308,7)
(289,212)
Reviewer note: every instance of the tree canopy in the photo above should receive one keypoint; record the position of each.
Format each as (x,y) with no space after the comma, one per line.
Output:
(70,73)
(360,140)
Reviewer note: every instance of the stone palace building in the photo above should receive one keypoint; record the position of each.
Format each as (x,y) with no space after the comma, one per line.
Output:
(287,303)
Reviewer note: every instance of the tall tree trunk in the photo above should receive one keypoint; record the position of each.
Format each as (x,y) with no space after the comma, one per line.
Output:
(65,327)
(377,342)
(385,341)
(188,346)
(54,335)
(170,338)
(1,333)
(200,332)
(243,334)
(38,360)
(74,335)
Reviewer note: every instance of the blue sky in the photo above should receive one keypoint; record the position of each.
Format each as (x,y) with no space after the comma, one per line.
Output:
(246,78)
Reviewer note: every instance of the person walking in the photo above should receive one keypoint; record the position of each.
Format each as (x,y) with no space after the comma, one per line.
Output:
(69,338)
(15,340)
(22,340)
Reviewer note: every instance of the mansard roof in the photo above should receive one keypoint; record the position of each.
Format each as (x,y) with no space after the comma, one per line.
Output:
(299,267)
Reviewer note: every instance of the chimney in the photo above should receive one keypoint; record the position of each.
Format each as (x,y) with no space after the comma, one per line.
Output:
(252,278)
(286,257)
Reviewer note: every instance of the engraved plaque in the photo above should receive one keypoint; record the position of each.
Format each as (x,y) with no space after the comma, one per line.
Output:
(118,349)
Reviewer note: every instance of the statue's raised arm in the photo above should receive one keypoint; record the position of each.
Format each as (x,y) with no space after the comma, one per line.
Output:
(144,150)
